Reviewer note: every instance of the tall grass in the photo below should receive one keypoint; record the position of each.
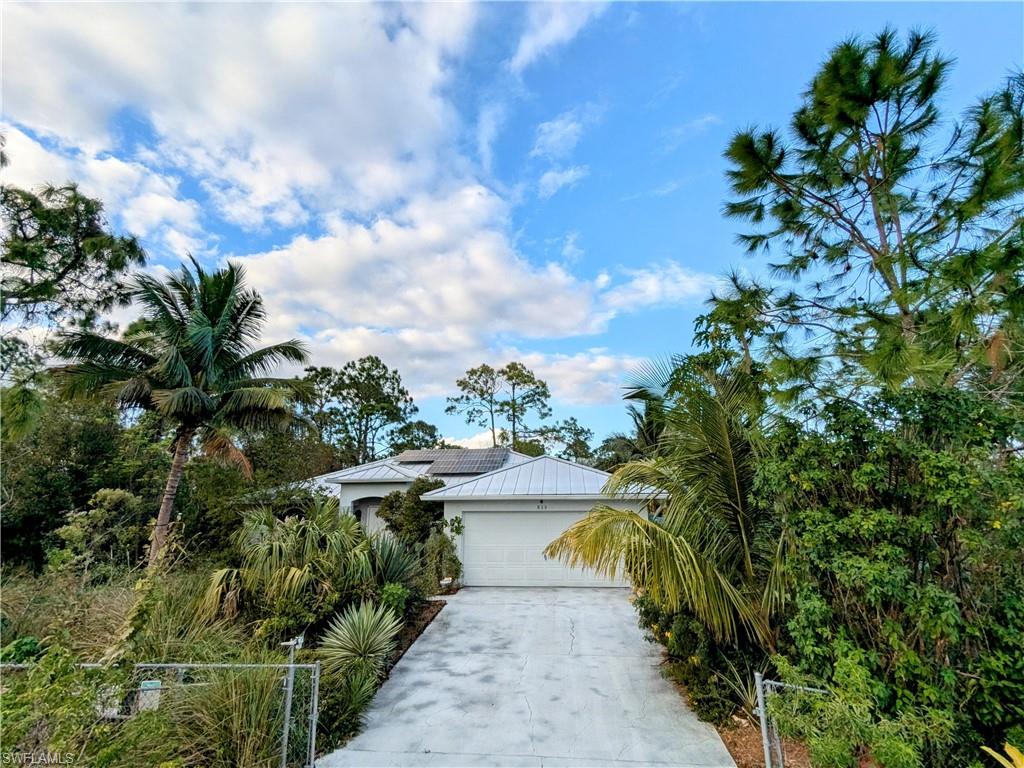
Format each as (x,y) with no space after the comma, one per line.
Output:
(232,717)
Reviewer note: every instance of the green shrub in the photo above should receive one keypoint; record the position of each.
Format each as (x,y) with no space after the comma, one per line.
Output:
(718,678)
(846,727)
(343,702)
(21,650)
(295,572)
(52,707)
(440,561)
(104,539)
(395,597)
(907,514)
(407,515)
(392,561)
(360,640)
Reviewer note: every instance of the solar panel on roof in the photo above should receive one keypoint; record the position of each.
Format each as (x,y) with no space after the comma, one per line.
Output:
(424,455)
(470,461)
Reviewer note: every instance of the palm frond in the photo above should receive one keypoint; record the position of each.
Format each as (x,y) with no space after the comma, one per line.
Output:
(613,541)
(219,444)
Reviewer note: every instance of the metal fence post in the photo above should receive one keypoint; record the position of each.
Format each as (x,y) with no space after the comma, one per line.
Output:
(289,686)
(763,713)
(313,713)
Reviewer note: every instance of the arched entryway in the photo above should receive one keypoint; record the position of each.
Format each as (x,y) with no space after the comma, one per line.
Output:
(365,511)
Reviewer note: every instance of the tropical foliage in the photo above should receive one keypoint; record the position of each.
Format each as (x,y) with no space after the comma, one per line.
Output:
(295,571)
(190,360)
(836,476)
(360,639)
(708,547)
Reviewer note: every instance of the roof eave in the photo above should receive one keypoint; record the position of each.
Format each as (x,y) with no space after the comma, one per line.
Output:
(599,497)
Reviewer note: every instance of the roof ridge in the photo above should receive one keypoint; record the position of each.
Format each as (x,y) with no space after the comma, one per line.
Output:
(376,462)
(518,466)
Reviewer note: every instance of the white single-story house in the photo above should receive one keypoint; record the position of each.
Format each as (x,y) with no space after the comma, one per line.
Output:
(512,506)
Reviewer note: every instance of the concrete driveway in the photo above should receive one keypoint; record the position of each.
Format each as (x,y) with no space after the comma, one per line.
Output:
(531,677)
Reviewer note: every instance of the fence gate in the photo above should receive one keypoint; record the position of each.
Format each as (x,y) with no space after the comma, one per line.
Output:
(774,752)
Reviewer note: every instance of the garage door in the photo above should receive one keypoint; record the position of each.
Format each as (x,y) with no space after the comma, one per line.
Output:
(506,549)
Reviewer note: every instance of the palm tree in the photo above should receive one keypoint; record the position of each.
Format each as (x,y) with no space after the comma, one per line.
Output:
(706,548)
(621,447)
(192,360)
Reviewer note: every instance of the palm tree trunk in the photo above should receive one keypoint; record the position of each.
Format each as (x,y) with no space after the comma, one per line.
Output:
(163,518)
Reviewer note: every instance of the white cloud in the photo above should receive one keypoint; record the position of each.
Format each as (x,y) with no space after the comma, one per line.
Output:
(673,137)
(479,440)
(136,199)
(549,25)
(272,116)
(338,114)
(571,250)
(558,137)
(659,285)
(557,178)
(592,377)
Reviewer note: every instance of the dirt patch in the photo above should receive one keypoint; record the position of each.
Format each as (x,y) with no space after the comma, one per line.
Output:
(413,628)
(743,741)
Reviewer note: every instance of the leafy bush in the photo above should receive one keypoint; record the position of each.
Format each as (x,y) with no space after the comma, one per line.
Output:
(51,707)
(846,728)
(395,597)
(21,650)
(717,678)
(360,640)
(295,571)
(407,515)
(107,537)
(908,519)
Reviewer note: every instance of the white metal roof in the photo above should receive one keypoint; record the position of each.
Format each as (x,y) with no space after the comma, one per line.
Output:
(391,471)
(382,471)
(544,476)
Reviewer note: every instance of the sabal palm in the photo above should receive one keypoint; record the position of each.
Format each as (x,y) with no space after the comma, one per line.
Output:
(707,548)
(193,361)
(308,558)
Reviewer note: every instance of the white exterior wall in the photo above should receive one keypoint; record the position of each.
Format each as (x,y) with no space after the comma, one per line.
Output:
(516,558)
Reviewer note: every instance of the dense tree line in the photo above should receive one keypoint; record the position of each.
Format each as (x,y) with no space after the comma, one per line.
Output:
(840,462)
(181,410)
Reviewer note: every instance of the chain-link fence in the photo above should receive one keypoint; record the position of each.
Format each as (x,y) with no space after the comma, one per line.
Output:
(774,747)
(267,712)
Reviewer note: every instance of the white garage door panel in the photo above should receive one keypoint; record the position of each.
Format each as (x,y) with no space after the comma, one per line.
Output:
(506,549)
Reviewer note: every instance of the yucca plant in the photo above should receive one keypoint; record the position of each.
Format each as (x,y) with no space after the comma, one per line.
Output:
(304,563)
(707,548)
(392,561)
(192,360)
(360,640)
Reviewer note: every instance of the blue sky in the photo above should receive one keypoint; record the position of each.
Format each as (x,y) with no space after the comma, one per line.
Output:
(444,185)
